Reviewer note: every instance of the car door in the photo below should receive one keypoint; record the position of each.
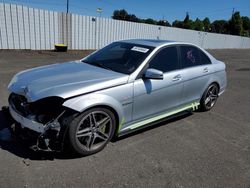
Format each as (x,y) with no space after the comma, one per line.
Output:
(195,74)
(152,97)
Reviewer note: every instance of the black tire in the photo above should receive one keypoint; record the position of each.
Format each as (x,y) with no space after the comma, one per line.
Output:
(88,126)
(209,97)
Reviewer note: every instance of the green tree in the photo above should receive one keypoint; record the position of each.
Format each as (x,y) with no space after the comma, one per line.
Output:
(132,18)
(178,24)
(163,23)
(220,26)
(150,21)
(198,25)
(120,14)
(246,26)
(124,15)
(235,24)
(206,23)
(187,23)
(245,22)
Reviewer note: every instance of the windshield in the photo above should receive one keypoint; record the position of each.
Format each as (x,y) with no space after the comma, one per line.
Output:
(120,57)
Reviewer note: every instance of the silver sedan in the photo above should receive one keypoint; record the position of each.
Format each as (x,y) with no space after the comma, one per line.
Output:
(125,86)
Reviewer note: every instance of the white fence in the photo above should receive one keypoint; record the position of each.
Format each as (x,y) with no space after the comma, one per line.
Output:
(29,28)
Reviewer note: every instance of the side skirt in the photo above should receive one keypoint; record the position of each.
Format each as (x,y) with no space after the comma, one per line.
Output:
(152,121)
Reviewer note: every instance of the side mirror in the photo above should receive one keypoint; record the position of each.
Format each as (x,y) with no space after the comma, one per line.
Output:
(153,74)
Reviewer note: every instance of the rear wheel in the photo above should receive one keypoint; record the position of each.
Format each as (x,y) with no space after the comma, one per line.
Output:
(209,97)
(91,131)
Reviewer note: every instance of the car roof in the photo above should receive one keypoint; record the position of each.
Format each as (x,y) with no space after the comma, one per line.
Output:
(149,42)
(157,43)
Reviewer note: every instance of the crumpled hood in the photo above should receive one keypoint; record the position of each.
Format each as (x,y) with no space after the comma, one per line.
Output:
(64,80)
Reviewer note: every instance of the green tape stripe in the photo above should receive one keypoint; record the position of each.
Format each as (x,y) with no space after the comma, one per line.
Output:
(121,124)
(193,106)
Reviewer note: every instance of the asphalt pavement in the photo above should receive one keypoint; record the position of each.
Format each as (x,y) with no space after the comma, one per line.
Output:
(210,149)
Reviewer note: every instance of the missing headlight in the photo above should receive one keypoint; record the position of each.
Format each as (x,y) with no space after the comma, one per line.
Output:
(47,109)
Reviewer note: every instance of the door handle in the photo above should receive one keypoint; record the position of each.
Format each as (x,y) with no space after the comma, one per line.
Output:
(205,70)
(176,78)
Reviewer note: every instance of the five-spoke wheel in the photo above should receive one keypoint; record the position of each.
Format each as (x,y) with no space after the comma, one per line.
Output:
(91,131)
(209,97)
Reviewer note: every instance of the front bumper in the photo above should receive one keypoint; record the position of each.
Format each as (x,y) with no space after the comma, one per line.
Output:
(42,136)
(25,122)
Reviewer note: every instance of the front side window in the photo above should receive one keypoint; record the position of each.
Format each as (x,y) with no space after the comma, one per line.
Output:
(165,60)
(120,57)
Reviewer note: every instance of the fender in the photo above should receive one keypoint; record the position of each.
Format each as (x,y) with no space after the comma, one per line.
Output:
(85,102)
(217,78)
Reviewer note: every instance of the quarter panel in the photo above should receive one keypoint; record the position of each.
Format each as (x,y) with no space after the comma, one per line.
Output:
(196,81)
(219,74)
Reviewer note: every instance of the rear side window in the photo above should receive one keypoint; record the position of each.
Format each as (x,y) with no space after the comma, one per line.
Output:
(165,60)
(204,59)
(192,56)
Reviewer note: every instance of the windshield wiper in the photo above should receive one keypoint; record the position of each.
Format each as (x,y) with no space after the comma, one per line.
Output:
(98,64)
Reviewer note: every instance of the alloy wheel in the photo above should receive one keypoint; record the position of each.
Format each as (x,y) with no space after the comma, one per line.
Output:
(211,96)
(94,130)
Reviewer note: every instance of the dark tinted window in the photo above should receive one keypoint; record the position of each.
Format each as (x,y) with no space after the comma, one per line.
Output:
(166,60)
(204,59)
(120,57)
(190,56)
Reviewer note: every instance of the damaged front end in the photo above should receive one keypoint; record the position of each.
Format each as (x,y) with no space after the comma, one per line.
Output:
(44,122)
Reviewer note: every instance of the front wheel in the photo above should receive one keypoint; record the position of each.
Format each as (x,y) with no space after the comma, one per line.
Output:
(209,97)
(90,132)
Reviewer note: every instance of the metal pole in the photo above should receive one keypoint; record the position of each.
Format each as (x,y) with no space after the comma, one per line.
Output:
(67,6)
(99,37)
(233,12)
(99,10)
(67,33)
